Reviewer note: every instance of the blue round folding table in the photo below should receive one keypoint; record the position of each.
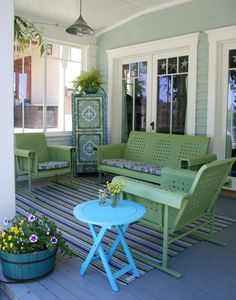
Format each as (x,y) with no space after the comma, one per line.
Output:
(107,217)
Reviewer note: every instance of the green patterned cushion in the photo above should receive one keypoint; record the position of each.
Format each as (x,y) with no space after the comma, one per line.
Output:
(138,166)
(50,165)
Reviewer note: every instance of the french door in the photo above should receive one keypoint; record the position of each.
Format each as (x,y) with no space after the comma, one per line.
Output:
(154,94)
(222,94)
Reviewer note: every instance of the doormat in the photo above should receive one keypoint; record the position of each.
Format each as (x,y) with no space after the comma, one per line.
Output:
(57,202)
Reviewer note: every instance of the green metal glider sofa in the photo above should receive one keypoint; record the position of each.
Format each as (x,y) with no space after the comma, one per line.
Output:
(146,153)
(183,197)
(37,159)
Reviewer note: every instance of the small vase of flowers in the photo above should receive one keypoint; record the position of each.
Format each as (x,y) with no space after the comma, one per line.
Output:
(28,246)
(114,189)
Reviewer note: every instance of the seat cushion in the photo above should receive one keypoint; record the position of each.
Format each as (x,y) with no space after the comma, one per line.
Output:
(138,166)
(50,165)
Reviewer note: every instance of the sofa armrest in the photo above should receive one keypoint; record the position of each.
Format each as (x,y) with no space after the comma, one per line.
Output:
(195,163)
(110,151)
(152,192)
(23,152)
(60,153)
(177,179)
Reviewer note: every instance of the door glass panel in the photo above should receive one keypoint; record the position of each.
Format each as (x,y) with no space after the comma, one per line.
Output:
(172,75)
(231,109)
(163,103)
(134,83)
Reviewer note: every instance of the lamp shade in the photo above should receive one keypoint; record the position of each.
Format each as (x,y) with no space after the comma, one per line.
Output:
(80,28)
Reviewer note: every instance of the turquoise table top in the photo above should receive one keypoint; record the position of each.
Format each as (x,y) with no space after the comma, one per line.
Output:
(92,213)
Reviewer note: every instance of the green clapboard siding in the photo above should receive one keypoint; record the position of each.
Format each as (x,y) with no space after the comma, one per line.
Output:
(195,16)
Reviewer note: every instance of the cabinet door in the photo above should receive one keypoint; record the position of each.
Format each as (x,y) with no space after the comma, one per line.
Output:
(86,153)
(89,114)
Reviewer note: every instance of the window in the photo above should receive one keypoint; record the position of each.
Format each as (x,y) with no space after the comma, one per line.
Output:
(43,88)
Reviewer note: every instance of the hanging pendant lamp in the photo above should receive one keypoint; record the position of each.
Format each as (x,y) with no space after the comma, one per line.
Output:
(80,27)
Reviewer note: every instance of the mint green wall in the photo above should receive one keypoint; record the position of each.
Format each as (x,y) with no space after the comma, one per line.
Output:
(195,16)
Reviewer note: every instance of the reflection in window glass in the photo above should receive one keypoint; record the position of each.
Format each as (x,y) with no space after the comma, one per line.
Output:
(172,94)
(134,97)
(231,110)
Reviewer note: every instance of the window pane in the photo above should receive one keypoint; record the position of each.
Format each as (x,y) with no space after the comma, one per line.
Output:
(163,103)
(183,64)
(54,94)
(232,58)
(172,65)
(75,54)
(134,97)
(179,103)
(161,67)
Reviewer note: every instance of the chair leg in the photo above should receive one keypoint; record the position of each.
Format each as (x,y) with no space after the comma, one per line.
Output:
(29,175)
(99,177)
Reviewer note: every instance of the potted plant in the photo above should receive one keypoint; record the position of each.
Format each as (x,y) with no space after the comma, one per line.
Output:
(114,189)
(88,82)
(28,246)
(25,32)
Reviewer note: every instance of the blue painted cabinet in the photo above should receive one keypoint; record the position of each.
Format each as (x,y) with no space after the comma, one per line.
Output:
(89,129)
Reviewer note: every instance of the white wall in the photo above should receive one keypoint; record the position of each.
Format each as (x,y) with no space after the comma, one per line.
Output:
(7,184)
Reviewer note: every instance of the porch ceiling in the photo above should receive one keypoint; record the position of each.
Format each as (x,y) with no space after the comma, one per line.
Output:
(100,15)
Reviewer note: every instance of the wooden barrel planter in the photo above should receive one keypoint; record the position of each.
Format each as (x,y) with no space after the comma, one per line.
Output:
(28,266)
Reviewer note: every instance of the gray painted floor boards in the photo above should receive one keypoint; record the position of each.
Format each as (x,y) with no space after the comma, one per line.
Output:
(208,272)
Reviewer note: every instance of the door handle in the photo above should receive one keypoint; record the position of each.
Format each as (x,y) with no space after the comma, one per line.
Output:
(152,124)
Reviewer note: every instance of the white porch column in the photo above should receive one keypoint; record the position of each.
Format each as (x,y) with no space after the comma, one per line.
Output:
(7,182)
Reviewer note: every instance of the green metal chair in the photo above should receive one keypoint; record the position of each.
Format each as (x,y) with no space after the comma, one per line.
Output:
(182,198)
(37,159)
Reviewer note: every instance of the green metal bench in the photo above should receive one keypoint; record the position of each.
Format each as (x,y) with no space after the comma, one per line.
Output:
(146,153)
(37,159)
(182,197)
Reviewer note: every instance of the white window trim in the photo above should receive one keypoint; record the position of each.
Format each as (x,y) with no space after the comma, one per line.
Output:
(186,43)
(218,39)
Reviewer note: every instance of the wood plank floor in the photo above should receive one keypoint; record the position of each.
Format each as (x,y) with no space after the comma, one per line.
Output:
(208,272)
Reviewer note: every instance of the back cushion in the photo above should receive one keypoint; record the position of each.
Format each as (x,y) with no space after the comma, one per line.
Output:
(35,142)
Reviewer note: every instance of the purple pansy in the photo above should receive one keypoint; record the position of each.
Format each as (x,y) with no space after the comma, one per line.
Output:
(33,238)
(31,218)
(53,240)
(5,221)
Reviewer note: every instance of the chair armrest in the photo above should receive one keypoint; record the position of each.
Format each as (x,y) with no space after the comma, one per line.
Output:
(196,162)
(152,192)
(60,153)
(110,151)
(177,179)
(23,152)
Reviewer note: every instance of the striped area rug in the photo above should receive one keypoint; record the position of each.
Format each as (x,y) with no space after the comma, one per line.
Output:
(57,201)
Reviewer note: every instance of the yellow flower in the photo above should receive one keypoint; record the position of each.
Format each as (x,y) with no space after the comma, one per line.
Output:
(9,238)
(22,221)
(3,234)
(11,245)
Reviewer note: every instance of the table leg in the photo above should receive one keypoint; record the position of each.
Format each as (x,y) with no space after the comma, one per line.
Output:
(97,241)
(116,243)
(97,246)
(127,251)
